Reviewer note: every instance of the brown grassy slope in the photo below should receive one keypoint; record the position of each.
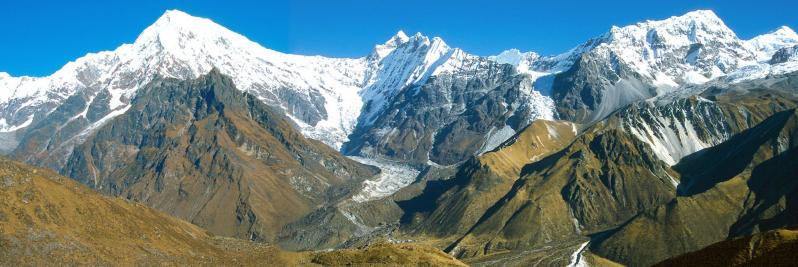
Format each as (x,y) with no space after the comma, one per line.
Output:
(48,219)
(536,141)
(384,254)
(451,207)
(571,193)
(771,248)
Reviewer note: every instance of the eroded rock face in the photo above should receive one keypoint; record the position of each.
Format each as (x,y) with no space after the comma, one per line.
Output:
(452,117)
(785,54)
(214,156)
(594,87)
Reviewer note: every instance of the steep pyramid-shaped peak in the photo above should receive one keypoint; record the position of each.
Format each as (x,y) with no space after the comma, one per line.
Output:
(386,48)
(178,31)
(400,36)
(178,17)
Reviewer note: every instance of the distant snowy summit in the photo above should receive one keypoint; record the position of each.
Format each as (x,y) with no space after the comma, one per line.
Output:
(692,48)
(328,97)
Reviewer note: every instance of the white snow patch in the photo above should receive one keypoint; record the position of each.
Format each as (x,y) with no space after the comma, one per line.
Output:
(577,258)
(668,136)
(97,124)
(674,182)
(5,128)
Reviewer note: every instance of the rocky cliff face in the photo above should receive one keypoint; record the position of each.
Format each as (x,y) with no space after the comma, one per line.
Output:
(214,156)
(451,117)
(680,124)
(785,54)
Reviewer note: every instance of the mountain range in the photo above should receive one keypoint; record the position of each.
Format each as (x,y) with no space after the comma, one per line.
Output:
(646,142)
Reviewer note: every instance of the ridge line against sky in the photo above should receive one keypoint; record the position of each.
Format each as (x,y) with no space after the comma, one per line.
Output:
(39,37)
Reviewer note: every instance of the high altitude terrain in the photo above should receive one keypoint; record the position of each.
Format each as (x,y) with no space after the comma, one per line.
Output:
(641,144)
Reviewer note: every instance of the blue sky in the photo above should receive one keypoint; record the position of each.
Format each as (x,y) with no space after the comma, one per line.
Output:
(38,37)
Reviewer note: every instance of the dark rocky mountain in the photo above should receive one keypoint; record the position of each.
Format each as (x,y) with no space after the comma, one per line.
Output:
(48,142)
(785,54)
(451,117)
(208,153)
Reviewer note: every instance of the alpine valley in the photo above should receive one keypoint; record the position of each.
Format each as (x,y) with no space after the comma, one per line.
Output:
(645,143)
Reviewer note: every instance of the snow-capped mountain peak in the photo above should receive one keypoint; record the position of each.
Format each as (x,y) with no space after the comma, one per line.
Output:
(767,44)
(785,31)
(382,50)
(400,35)
(693,27)
(324,96)
(399,62)
(328,97)
(691,48)
(320,94)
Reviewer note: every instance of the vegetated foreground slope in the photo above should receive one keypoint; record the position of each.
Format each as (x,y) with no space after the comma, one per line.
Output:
(770,248)
(208,153)
(48,219)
